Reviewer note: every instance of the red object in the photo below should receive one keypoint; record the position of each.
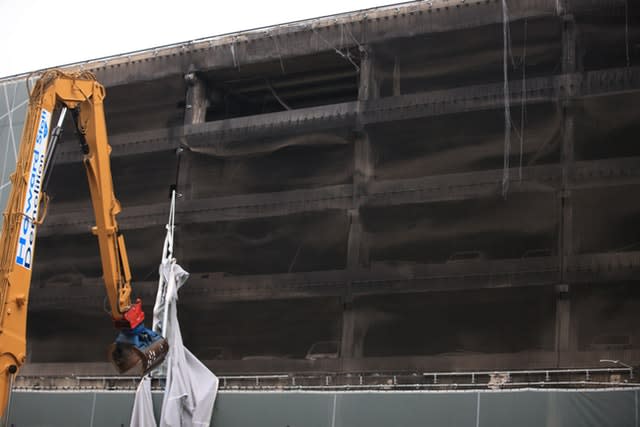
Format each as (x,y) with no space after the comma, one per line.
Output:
(134,316)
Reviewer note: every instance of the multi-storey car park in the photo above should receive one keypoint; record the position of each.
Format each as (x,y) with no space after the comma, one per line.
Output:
(429,195)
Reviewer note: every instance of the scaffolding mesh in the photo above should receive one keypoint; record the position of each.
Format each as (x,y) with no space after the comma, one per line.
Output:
(13,107)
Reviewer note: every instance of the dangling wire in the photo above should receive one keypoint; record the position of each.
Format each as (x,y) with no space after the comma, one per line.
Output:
(168,240)
(275,42)
(168,257)
(159,325)
(508,122)
(232,46)
(168,252)
(523,98)
(507,111)
(360,47)
(626,31)
(275,95)
(346,56)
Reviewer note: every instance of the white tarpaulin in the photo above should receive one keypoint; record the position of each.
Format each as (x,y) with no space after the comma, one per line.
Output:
(191,387)
(142,415)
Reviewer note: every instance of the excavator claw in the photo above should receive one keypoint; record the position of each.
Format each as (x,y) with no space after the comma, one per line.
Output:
(138,347)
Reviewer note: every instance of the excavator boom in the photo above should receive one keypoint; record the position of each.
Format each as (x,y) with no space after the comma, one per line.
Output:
(81,94)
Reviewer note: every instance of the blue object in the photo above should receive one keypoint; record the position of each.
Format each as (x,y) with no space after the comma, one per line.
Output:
(139,337)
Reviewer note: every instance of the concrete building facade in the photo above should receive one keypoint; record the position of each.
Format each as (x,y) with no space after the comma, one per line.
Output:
(435,185)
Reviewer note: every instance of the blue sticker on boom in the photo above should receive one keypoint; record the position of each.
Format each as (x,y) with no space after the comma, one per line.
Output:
(27,235)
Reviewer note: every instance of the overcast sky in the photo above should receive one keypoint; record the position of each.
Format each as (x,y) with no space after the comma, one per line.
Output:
(36,34)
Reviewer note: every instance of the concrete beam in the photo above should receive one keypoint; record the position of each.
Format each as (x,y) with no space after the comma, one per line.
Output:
(166,139)
(462,186)
(380,279)
(603,267)
(325,34)
(230,137)
(595,174)
(211,210)
(237,136)
(491,96)
(539,360)
(471,185)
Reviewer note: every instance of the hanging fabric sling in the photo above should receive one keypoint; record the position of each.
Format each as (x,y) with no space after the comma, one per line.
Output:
(191,388)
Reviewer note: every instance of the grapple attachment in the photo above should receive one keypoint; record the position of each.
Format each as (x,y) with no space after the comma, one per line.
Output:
(138,347)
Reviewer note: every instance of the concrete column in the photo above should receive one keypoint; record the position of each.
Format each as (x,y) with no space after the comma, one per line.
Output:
(196,100)
(569,65)
(565,329)
(347,341)
(194,113)
(354,328)
(354,242)
(369,87)
(362,174)
(362,162)
(352,342)
(563,320)
(566,206)
(396,77)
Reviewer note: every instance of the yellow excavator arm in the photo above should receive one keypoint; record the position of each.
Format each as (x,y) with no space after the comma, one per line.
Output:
(81,94)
